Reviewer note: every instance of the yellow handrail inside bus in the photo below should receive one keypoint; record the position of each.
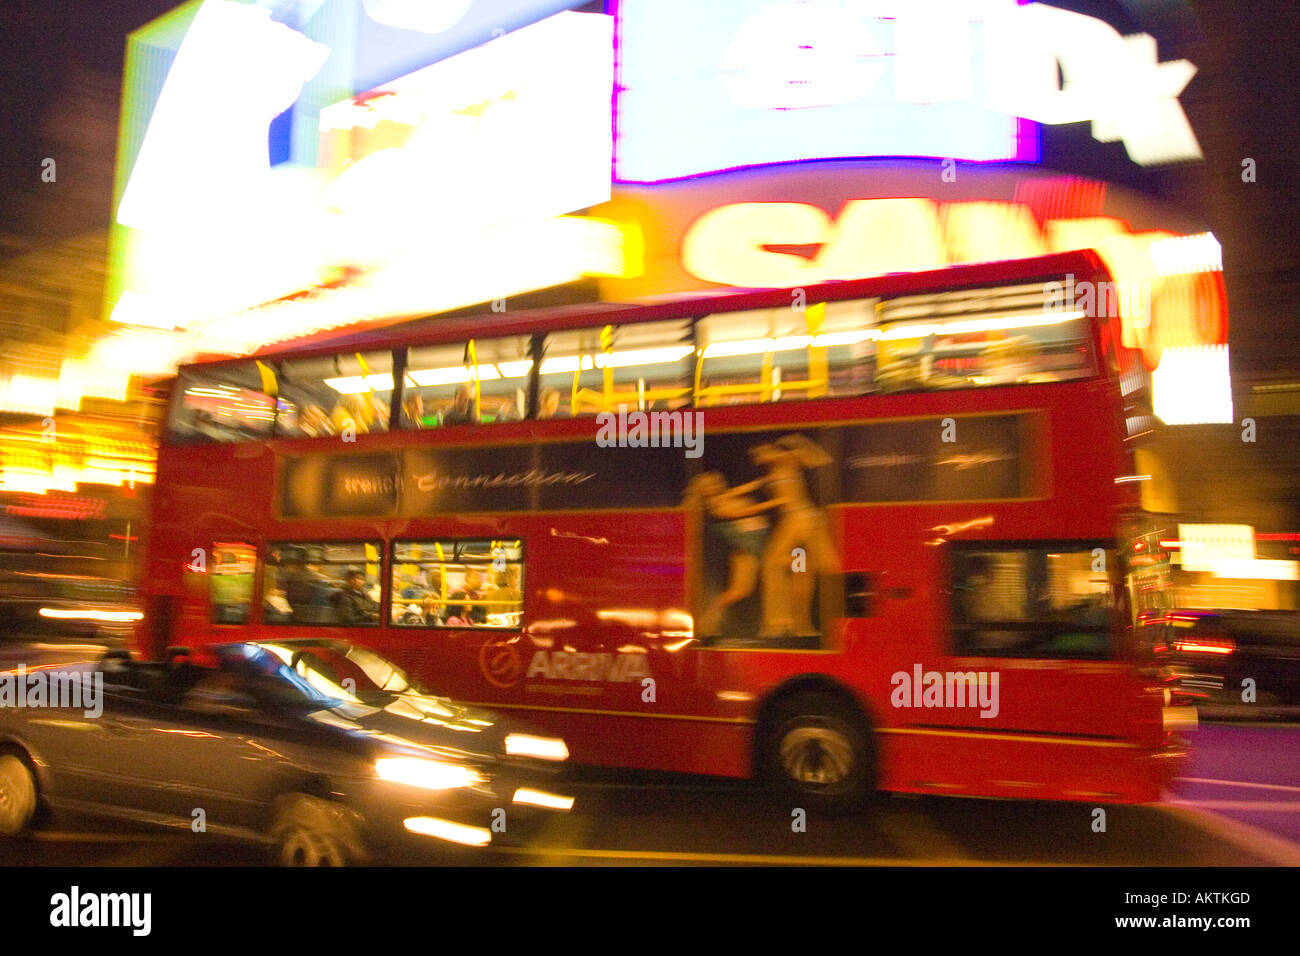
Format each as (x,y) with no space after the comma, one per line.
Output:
(270,385)
(606,346)
(818,364)
(442,572)
(368,411)
(472,351)
(816,385)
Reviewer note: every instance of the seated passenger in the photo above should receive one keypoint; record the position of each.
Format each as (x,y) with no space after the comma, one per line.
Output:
(506,412)
(507,600)
(430,612)
(299,583)
(313,422)
(470,590)
(355,606)
(548,405)
(505,590)
(276,608)
(355,410)
(414,411)
(461,411)
(408,616)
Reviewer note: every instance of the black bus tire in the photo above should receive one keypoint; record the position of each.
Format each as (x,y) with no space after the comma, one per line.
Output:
(817,749)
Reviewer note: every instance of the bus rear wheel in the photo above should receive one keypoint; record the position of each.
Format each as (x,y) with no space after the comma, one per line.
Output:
(817,750)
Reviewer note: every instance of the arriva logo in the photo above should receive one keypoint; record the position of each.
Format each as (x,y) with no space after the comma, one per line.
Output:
(501,664)
(621,668)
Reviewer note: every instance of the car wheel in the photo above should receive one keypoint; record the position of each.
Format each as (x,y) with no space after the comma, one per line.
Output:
(18,800)
(309,831)
(818,751)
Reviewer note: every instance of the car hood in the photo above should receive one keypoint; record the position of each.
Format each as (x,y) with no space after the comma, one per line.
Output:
(418,723)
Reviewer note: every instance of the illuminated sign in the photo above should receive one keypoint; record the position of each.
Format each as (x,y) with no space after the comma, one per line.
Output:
(394,37)
(1204,545)
(757,83)
(470,177)
(516,129)
(446,187)
(734,245)
(1191,386)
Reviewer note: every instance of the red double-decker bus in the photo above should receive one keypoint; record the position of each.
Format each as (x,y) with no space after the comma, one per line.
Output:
(863,535)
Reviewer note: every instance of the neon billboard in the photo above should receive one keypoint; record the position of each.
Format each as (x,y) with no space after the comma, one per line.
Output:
(759,83)
(288,166)
(447,186)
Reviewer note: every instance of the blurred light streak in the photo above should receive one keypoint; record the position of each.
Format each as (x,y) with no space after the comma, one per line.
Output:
(91,614)
(540,798)
(449,831)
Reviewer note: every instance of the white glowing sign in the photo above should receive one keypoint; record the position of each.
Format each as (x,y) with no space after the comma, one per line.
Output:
(1203,546)
(513,130)
(206,146)
(802,79)
(1173,323)
(1192,386)
(446,187)
(427,16)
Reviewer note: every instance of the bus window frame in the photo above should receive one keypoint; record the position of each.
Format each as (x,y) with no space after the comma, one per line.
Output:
(1115,650)
(390,604)
(255,597)
(399,353)
(380,621)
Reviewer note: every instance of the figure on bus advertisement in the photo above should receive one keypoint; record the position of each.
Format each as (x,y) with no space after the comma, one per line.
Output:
(785,555)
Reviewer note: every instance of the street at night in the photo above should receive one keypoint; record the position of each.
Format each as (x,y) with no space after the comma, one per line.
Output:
(623,819)
(503,436)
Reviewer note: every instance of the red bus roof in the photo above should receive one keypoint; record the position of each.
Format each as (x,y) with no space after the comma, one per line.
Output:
(431,330)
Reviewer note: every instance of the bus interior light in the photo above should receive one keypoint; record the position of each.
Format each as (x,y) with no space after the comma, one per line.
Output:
(360,384)
(674,353)
(968,326)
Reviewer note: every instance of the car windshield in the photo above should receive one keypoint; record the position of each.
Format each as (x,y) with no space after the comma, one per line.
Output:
(338,671)
(271,678)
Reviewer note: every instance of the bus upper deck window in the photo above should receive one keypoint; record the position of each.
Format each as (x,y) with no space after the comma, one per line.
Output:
(641,366)
(465,383)
(818,350)
(227,403)
(335,395)
(1013,335)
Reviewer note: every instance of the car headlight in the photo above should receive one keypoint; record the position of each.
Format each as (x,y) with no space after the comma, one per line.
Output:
(544,748)
(428,774)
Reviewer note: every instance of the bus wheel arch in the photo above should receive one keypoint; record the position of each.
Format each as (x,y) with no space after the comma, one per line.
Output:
(815,742)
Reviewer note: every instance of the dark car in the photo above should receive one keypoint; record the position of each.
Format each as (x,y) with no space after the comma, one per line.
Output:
(324,749)
(1228,656)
